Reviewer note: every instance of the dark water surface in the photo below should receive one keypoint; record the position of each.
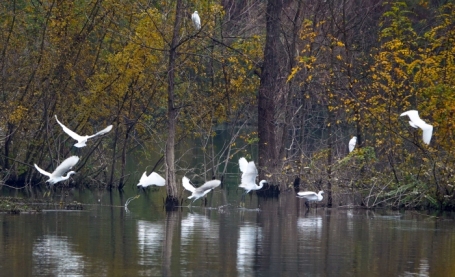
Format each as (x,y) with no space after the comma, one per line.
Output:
(269,237)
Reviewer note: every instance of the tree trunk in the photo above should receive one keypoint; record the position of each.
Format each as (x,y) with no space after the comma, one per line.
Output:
(329,160)
(171,186)
(269,87)
(110,183)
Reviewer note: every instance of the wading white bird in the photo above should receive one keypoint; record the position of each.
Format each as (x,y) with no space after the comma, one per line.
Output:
(196,20)
(57,175)
(81,140)
(154,179)
(416,122)
(310,196)
(352,143)
(200,191)
(249,176)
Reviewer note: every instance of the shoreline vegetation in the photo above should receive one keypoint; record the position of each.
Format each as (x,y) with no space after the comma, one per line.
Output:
(21,205)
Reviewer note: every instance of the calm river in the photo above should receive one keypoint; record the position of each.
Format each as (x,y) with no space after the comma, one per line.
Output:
(269,237)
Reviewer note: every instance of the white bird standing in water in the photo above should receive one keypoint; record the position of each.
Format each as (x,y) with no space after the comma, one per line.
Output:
(57,175)
(352,143)
(416,122)
(310,196)
(200,191)
(81,140)
(249,176)
(153,179)
(196,20)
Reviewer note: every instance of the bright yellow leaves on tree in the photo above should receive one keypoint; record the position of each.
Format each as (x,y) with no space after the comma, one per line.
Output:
(18,114)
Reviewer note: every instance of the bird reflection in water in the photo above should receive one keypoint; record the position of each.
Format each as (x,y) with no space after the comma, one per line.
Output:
(250,237)
(55,256)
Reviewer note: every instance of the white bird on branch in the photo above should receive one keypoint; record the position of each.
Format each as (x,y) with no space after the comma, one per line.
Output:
(352,143)
(196,20)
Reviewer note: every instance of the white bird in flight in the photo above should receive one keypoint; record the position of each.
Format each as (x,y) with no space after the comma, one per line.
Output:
(249,176)
(57,175)
(310,196)
(153,179)
(81,140)
(200,191)
(416,122)
(352,143)
(196,20)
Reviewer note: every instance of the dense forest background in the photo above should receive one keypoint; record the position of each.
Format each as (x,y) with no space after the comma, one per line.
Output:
(296,79)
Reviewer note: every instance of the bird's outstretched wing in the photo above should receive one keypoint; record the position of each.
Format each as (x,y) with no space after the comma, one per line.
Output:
(415,120)
(65,166)
(68,131)
(427,133)
(42,171)
(156,179)
(186,184)
(413,115)
(143,179)
(307,194)
(102,132)
(243,164)
(209,185)
(249,174)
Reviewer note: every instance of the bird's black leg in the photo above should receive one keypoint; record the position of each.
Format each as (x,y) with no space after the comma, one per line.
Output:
(307,205)
(243,195)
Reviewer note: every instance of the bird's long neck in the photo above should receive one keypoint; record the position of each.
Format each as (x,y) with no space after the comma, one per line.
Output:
(68,175)
(261,184)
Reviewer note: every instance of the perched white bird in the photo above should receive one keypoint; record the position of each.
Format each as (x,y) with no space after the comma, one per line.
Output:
(249,176)
(153,179)
(200,191)
(196,20)
(416,122)
(352,143)
(57,175)
(310,196)
(81,140)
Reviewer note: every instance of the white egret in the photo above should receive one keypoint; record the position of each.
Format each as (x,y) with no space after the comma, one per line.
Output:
(352,143)
(57,175)
(416,122)
(196,20)
(249,176)
(81,140)
(153,179)
(310,196)
(200,191)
